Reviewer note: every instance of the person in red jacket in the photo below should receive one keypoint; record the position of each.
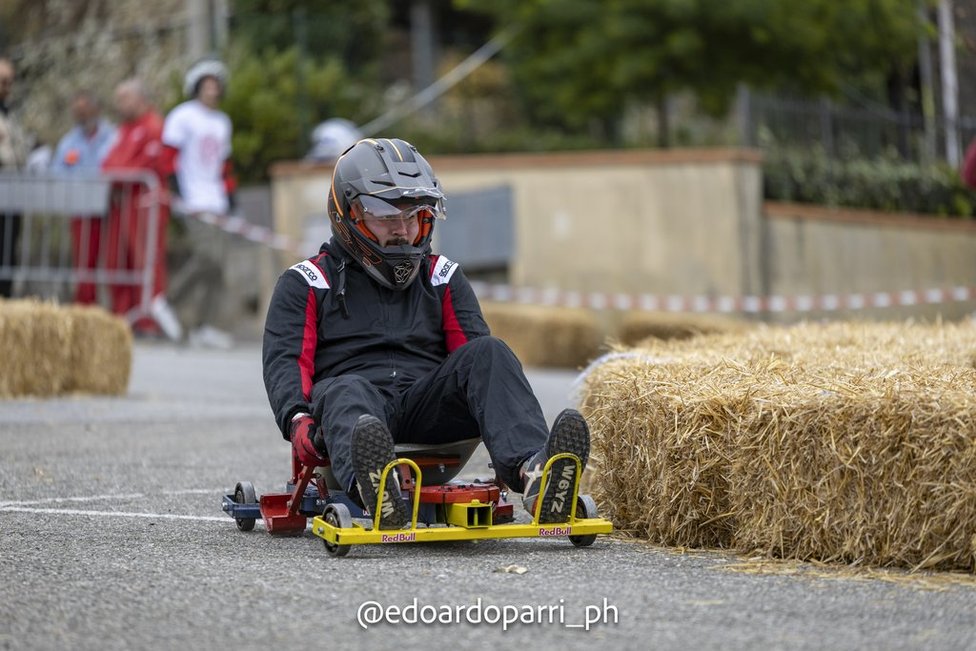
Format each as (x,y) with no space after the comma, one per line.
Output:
(138,148)
(969,165)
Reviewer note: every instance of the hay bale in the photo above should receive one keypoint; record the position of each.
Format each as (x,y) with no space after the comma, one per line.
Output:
(101,352)
(636,327)
(845,442)
(659,456)
(545,336)
(35,345)
(49,350)
(877,470)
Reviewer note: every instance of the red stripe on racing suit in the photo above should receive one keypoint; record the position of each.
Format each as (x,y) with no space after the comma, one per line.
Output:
(306,361)
(291,338)
(454,336)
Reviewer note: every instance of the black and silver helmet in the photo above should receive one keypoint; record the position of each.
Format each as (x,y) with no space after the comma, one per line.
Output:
(379,178)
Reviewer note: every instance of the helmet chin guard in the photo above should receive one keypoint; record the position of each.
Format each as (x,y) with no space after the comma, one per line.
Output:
(404,272)
(384,178)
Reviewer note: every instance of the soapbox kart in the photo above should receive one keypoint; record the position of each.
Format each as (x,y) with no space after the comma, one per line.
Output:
(443,508)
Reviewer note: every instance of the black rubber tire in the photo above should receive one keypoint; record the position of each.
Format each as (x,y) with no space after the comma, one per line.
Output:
(244,494)
(585,508)
(337,514)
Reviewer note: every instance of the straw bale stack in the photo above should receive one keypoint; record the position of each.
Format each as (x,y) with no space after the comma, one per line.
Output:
(660,455)
(863,469)
(635,327)
(101,354)
(49,350)
(35,345)
(545,336)
(849,442)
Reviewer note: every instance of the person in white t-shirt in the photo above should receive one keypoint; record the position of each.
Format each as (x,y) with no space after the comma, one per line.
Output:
(197,144)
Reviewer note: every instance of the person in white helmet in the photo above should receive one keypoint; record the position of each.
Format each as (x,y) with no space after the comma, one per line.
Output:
(197,148)
(331,138)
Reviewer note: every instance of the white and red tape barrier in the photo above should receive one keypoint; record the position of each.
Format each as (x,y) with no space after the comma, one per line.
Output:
(237,225)
(647,302)
(722,304)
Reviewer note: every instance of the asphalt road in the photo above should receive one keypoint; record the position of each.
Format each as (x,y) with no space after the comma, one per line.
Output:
(112,537)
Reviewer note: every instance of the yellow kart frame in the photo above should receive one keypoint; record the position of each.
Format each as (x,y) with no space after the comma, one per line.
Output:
(464,521)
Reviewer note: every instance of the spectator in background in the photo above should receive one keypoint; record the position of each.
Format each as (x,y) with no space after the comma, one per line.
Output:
(81,152)
(138,148)
(331,138)
(197,140)
(39,159)
(87,144)
(969,165)
(13,154)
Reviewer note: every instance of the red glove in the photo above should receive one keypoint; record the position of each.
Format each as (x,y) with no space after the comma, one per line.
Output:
(300,432)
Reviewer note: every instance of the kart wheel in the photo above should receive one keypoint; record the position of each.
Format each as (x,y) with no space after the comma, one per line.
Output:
(337,515)
(585,508)
(244,494)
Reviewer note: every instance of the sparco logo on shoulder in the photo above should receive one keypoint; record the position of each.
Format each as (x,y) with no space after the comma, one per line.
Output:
(446,269)
(308,272)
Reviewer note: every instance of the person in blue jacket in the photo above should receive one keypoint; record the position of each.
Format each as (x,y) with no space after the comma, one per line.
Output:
(80,152)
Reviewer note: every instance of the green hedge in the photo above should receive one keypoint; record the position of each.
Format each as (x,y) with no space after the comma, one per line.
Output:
(884,184)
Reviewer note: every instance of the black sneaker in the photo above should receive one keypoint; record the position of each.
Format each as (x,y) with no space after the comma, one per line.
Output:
(372,449)
(569,434)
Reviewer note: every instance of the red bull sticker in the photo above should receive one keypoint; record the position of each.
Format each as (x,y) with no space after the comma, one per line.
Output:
(398,537)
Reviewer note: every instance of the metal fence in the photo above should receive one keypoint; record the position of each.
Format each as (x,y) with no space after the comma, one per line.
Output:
(846,132)
(91,239)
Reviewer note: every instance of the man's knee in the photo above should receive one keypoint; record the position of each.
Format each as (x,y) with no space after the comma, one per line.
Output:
(346,387)
(344,391)
(484,348)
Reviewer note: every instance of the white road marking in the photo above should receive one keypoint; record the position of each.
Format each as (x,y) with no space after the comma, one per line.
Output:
(116,514)
(198,491)
(32,506)
(55,500)
(114,496)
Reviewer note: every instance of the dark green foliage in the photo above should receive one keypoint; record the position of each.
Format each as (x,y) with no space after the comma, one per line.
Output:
(352,31)
(264,105)
(579,61)
(294,63)
(886,183)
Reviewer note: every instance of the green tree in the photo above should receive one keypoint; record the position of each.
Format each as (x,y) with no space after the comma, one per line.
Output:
(263,104)
(579,62)
(352,31)
(294,63)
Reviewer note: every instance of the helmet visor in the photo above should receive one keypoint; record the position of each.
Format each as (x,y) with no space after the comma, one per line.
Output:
(373,208)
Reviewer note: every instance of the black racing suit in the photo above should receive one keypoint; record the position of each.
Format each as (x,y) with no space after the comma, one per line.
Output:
(337,345)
